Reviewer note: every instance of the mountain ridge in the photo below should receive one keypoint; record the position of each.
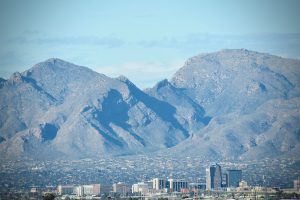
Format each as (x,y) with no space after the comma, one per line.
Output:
(237,98)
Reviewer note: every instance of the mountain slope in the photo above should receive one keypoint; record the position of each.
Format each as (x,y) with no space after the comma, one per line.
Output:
(60,109)
(232,80)
(252,99)
(231,104)
(188,112)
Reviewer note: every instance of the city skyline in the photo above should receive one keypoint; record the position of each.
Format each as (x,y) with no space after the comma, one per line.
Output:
(177,188)
(137,100)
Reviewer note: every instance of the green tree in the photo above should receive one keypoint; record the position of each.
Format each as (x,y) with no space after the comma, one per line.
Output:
(49,196)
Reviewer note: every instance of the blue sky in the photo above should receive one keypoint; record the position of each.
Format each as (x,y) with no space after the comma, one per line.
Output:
(143,40)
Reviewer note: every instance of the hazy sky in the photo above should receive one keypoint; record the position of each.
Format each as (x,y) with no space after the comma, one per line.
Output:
(143,40)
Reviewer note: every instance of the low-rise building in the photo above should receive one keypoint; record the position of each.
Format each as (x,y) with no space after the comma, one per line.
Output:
(177,185)
(66,190)
(121,188)
(105,189)
(141,188)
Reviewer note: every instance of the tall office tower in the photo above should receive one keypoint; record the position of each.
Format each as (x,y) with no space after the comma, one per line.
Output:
(234,177)
(214,177)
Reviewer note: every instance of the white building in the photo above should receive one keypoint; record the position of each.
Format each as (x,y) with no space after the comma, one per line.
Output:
(78,191)
(87,190)
(141,187)
(243,185)
(66,189)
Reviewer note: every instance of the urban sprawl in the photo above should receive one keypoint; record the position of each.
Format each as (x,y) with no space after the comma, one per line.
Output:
(218,184)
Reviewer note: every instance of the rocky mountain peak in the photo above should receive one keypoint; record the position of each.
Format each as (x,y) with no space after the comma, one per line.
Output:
(162,83)
(245,100)
(2,81)
(16,78)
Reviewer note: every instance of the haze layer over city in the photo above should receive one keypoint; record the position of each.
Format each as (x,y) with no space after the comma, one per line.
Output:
(149,100)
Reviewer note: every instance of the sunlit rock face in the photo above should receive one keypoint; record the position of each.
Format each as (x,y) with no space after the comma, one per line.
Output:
(252,100)
(59,109)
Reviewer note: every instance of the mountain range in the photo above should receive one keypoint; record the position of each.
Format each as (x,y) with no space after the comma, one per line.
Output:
(231,104)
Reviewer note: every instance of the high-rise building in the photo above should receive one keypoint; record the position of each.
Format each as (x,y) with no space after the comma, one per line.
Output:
(177,185)
(213,177)
(159,184)
(234,177)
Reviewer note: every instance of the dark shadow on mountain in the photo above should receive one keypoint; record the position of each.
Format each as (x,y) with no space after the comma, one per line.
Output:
(33,83)
(49,131)
(205,120)
(164,85)
(106,136)
(163,109)
(2,139)
(115,109)
(93,117)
